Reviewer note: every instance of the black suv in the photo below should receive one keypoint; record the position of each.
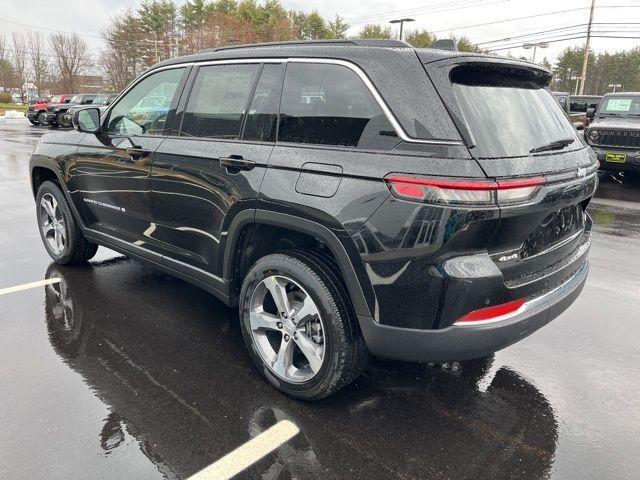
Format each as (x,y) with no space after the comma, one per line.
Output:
(56,114)
(350,197)
(614,133)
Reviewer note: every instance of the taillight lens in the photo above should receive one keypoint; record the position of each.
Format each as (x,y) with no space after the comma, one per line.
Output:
(455,191)
(493,313)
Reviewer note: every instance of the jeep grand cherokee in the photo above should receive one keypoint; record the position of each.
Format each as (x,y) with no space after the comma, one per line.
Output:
(349,197)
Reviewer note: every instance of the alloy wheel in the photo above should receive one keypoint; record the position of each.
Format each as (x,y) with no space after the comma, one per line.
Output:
(287,329)
(52,224)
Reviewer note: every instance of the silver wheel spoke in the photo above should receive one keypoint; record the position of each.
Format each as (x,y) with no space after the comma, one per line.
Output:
(279,294)
(310,350)
(306,309)
(284,358)
(58,239)
(48,207)
(260,320)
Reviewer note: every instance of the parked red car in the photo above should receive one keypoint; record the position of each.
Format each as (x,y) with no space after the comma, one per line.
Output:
(37,112)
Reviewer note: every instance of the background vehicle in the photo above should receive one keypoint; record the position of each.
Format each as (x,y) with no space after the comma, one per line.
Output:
(102,101)
(614,133)
(37,112)
(563,100)
(424,216)
(578,105)
(56,113)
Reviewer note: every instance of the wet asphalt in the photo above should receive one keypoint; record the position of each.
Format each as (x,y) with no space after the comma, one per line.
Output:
(123,372)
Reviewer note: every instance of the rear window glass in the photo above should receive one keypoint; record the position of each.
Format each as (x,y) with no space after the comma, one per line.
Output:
(509,112)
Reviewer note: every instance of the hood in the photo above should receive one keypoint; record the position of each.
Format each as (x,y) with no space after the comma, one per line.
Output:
(631,123)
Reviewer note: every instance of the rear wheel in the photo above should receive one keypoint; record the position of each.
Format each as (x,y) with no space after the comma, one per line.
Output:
(61,120)
(32,121)
(298,326)
(42,118)
(62,238)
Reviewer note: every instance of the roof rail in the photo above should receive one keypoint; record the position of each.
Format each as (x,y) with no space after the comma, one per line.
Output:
(362,42)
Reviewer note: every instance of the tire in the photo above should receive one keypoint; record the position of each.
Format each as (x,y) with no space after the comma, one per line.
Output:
(32,121)
(61,121)
(344,351)
(62,238)
(42,118)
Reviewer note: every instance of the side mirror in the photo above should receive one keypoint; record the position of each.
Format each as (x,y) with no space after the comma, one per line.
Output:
(87,120)
(579,126)
(591,112)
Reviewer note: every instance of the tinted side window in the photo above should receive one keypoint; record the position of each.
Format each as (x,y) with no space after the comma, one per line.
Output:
(262,118)
(330,105)
(144,109)
(218,101)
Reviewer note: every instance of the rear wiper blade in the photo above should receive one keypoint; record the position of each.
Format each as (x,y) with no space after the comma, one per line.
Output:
(555,145)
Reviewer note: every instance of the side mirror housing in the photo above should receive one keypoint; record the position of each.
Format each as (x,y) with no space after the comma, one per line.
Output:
(87,120)
(579,126)
(591,112)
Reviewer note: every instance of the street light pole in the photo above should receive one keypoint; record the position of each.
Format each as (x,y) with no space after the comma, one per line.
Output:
(401,22)
(535,46)
(585,61)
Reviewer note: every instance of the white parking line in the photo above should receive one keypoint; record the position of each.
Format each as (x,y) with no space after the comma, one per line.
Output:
(246,455)
(25,286)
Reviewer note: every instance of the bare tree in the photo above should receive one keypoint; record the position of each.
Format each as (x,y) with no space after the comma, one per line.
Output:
(6,69)
(71,57)
(19,60)
(38,61)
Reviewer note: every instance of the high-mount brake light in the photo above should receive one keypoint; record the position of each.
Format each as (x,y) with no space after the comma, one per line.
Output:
(490,314)
(455,191)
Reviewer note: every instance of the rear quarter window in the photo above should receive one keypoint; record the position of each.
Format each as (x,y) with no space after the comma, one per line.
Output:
(326,104)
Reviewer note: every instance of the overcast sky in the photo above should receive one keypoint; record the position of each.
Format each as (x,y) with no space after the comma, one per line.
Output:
(88,18)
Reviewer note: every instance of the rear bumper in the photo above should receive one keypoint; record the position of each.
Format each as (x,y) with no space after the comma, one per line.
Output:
(632,162)
(465,342)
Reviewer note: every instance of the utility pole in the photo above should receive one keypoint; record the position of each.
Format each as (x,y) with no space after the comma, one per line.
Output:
(585,62)
(401,22)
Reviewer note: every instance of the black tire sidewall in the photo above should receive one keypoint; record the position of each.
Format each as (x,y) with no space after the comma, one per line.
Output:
(42,118)
(69,223)
(316,287)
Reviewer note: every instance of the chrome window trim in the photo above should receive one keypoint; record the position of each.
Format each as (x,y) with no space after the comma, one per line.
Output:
(350,65)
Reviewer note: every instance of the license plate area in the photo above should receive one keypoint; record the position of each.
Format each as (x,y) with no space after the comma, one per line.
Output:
(553,229)
(615,157)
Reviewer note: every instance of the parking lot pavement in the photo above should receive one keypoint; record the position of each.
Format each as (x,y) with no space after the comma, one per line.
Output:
(119,371)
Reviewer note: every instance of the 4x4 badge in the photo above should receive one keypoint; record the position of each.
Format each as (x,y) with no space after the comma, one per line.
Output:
(582,172)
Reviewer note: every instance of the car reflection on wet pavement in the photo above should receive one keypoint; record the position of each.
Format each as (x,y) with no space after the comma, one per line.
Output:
(121,371)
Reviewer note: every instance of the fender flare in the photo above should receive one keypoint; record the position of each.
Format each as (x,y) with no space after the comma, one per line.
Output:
(309,227)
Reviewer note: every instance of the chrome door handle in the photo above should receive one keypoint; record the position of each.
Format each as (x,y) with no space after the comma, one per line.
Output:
(236,162)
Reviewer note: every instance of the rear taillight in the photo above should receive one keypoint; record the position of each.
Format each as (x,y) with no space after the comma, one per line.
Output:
(455,191)
(491,314)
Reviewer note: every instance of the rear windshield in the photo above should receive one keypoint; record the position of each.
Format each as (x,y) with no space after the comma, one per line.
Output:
(621,105)
(509,112)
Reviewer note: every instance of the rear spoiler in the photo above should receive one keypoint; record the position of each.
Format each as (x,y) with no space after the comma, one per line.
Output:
(445,44)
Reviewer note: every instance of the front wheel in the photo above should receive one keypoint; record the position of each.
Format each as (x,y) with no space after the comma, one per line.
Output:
(62,238)
(298,325)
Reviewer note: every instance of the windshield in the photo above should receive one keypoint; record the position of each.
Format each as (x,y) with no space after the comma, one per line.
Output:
(620,106)
(76,99)
(56,99)
(100,100)
(509,114)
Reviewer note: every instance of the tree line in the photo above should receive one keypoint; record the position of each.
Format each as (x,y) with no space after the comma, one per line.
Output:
(621,68)
(159,29)
(53,62)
